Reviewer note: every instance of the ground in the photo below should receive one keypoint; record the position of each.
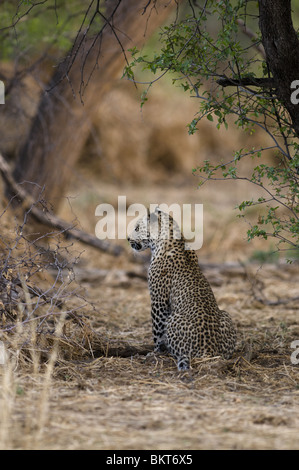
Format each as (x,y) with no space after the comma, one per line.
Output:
(100,386)
(140,401)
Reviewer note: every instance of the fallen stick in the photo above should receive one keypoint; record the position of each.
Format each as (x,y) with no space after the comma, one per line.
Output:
(121,349)
(47,218)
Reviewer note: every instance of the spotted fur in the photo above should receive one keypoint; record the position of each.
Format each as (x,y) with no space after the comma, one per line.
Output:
(186,319)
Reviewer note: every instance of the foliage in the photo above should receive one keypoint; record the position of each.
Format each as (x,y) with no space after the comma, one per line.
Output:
(219,42)
(31,28)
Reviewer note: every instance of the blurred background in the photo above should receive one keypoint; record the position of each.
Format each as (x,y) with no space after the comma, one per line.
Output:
(74,320)
(142,152)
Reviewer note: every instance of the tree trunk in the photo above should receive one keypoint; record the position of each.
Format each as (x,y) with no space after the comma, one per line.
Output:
(281,46)
(62,123)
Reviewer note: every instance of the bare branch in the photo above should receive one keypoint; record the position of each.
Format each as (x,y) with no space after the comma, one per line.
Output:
(246,81)
(47,218)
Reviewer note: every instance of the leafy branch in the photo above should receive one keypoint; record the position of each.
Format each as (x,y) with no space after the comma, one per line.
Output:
(227,70)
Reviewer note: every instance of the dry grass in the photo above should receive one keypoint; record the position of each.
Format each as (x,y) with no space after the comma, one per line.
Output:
(65,401)
(63,385)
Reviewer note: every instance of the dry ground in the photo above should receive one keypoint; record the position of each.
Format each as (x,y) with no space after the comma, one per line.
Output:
(142,402)
(97,400)
(99,386)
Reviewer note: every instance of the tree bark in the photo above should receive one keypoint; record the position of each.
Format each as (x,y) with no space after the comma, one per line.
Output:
(62,123)
(281,46)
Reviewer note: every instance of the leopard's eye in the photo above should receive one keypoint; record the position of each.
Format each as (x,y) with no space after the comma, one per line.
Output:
(137,228)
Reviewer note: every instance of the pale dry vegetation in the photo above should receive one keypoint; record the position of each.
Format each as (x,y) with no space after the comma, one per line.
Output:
(75,322)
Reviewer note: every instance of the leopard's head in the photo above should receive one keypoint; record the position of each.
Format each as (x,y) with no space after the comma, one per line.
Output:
(140,237)
(152,228)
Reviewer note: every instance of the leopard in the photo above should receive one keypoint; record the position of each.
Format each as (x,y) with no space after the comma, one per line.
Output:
(186,319)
